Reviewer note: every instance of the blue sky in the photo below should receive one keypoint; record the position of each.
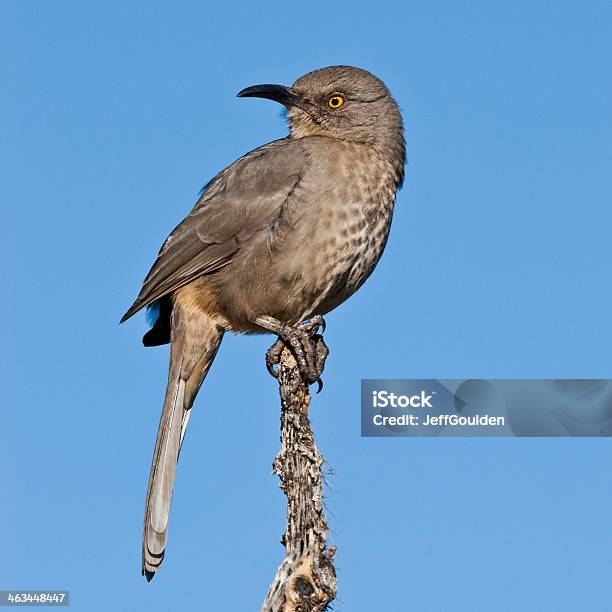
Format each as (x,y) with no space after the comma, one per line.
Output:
(115,114)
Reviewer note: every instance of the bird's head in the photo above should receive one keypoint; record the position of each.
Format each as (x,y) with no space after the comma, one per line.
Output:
(340,102)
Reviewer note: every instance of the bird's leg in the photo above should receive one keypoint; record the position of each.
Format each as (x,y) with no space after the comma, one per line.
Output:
(305,343)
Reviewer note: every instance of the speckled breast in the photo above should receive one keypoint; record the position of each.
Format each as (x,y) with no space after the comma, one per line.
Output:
(359,246)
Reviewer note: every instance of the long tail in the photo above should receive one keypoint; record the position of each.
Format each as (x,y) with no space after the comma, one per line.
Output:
(195,340)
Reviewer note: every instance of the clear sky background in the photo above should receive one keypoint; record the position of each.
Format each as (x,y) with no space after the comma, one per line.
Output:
(114,114)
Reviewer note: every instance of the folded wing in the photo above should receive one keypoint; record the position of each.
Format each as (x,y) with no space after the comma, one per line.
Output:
(238,203)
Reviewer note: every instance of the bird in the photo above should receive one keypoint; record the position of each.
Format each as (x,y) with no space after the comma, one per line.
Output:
(275,241)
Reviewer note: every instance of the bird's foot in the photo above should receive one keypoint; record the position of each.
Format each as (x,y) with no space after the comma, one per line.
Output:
(273,356)
(304,341)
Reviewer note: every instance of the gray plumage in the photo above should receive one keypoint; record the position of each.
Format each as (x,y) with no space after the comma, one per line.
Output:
(287,232)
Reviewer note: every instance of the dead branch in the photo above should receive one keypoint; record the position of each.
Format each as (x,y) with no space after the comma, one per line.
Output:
(306,579)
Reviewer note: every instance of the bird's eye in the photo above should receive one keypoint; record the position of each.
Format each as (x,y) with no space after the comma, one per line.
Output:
(335,102)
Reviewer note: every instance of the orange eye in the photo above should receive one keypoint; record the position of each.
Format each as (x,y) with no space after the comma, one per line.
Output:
(335,102)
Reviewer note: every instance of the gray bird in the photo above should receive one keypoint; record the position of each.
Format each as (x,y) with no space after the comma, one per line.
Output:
(276,240)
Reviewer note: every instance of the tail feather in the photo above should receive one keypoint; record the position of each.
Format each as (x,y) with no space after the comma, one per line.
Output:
(161,494)
(186,415)
(195,341)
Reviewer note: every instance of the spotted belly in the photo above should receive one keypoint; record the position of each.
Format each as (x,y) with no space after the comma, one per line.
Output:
(346,268)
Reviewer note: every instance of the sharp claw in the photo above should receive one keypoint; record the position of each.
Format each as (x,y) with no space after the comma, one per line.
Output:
(319,385)
(273,357)
(319,321)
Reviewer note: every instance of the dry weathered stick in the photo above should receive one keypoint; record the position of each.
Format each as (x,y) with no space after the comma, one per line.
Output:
(306,579)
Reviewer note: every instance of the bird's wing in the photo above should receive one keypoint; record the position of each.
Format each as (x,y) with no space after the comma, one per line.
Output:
(239,202)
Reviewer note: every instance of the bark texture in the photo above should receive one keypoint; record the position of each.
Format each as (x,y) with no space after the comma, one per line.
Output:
(306,579)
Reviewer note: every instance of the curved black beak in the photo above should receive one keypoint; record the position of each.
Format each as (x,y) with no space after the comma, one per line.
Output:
(278,93)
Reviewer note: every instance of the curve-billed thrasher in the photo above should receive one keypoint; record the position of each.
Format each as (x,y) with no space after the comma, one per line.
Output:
(282,236)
